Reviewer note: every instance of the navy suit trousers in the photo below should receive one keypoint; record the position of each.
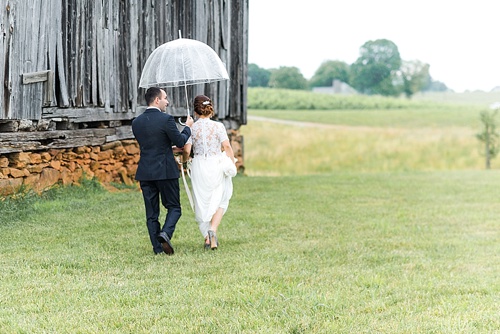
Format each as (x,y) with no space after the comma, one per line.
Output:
(169,192)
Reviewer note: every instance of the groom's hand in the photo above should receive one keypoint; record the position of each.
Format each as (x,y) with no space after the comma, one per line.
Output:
(176,149)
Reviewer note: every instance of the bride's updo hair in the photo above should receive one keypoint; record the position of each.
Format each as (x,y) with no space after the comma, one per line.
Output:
(203,106)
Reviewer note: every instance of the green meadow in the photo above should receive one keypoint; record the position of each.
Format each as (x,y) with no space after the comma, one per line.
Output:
(404,136)
(357,220)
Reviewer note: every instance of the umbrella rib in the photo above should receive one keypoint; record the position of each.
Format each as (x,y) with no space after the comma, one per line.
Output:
(185,83)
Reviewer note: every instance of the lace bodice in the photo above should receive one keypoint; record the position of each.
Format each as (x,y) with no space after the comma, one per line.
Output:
(207,137)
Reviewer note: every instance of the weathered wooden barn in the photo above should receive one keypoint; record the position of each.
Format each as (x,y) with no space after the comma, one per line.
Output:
(71,69)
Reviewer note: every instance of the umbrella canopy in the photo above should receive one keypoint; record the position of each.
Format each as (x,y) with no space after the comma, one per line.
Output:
(182,62)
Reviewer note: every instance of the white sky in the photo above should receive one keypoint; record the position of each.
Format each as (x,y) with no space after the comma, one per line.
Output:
(460,40)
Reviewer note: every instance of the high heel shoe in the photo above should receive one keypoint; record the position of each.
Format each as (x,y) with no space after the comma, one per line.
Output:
(214,243)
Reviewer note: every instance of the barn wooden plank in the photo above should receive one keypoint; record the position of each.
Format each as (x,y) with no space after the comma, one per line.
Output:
(30,99)
(32,95)
(7,64)
(56,134)
(93,57)
(52,30)
(61,54)
(122,132)
(86,66)
(113,50)
(115,97)
(116,82)
(71,40)
(89,114)
(43,31)
(19,147)
(132,56)
(18,25)
(224,23)
(28,136)
(76,59)
(35,77)
(116,14)
(4,31)
(32,37)
(99,14)
(108,56)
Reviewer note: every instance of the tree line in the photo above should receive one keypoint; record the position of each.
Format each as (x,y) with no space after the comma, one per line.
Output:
(379,70)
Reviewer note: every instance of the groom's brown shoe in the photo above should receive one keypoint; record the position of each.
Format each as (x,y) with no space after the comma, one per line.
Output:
(165,243)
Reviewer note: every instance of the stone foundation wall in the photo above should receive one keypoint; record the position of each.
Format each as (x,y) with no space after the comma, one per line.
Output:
(112,162)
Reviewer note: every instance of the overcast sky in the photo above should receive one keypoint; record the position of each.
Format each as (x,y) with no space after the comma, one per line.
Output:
(460,40)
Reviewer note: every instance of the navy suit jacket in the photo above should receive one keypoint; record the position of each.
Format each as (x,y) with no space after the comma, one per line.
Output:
(156,133)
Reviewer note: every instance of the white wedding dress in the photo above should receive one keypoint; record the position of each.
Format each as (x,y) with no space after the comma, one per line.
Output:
(211,188)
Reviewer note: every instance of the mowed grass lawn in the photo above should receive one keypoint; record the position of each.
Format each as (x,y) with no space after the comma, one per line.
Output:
(386,252)
(380,222)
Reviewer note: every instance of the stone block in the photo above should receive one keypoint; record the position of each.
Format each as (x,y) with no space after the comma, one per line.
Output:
(10,186)
(131,169)
(4,162)
(87,171)
(103,177)
(46,157)
(54,153)
(18,172)
(20,159)
(112,145)
(94,165)
(103,155)
(35,158)
(48,178)
(80,150)
(56,164)
(77,175)
(66,176)
(31,181)
(124,176)
(35,168)
(132,149)
(68,156)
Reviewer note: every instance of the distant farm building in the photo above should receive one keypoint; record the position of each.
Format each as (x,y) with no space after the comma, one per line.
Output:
(337,87)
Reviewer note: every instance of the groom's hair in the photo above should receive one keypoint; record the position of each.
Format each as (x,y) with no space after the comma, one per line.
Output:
(151,94)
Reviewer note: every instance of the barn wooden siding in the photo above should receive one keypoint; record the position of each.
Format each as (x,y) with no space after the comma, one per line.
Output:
(71,68)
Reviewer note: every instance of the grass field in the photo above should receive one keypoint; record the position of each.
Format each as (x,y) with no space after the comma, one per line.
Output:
(343,142)
(370,223)
(409,252)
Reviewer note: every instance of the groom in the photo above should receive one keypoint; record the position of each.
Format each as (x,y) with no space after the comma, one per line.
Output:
(157,171)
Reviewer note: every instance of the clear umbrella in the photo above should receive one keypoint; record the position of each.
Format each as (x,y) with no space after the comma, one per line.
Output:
(182,62)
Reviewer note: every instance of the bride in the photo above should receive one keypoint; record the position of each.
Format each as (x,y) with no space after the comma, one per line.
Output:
(212,188)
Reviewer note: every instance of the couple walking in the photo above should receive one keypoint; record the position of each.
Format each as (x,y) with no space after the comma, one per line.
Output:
(158,173)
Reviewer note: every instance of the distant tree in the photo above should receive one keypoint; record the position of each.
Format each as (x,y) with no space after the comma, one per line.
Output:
(489,136)
(375,71)
(287,77)
(328,71)
(257,76)
(415,76)
(435,86)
